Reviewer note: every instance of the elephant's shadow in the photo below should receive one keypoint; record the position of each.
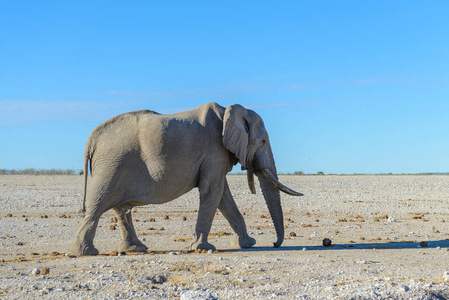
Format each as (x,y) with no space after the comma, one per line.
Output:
(355,246)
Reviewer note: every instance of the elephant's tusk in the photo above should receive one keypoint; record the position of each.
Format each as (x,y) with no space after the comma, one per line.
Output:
(271,178)
(250,177)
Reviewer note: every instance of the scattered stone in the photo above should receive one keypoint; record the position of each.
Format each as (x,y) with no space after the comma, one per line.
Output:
(446,276)
(113,227)
(166,217)
(83,287)
(179,240)
(391,219)
(45,271)
(404,288)
(423,244)
(327,242)
(36,271)
(184,218)
(8,216)
(152,220)
(197,295)
(292,234)
(158,279)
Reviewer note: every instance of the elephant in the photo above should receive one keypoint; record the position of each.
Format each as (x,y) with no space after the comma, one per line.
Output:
(143,157)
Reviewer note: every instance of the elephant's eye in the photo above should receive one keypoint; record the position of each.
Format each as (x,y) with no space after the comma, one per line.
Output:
(264,142)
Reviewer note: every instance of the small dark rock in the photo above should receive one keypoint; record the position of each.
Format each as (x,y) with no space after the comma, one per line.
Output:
(158,279)
(423,244)
(327,242)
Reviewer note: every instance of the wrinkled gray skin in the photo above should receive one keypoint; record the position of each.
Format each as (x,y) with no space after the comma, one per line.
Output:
(143,157)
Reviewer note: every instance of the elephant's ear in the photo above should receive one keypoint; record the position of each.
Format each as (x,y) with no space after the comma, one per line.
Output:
(235,132)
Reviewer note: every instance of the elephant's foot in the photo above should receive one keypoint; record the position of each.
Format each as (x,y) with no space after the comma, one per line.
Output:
(243,241)
(202,246)
(80,249)
(126,246)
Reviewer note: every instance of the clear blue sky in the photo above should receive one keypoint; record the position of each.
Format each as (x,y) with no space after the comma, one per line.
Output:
(343,86)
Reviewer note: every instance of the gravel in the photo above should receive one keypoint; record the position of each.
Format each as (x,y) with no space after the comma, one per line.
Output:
(389,240)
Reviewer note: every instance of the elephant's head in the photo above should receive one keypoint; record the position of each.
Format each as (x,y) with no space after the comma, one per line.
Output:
(244,135)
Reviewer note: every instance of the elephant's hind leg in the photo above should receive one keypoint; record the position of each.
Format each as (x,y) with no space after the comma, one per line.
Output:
(83,244)
(129,242)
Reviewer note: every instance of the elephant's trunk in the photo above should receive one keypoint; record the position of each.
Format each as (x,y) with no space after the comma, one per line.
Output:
(273,200)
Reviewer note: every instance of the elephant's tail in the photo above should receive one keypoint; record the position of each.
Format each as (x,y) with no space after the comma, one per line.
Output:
(87,158)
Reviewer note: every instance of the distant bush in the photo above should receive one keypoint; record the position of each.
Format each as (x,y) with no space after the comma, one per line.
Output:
(31,171)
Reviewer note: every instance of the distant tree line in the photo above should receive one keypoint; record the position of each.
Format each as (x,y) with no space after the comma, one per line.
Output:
(320,173)
(31,171)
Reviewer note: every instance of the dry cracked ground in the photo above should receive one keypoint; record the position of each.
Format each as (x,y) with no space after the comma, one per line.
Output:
(389,238)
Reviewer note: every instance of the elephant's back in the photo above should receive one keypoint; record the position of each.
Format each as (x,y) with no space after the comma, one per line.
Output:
(120,125)
(116,136)
(125,120)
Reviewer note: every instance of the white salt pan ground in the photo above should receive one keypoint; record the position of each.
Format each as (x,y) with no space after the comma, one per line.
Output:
(375,223)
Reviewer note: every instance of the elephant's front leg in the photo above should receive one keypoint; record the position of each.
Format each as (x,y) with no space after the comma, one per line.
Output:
(231,212)
(210,196)
(130,242)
